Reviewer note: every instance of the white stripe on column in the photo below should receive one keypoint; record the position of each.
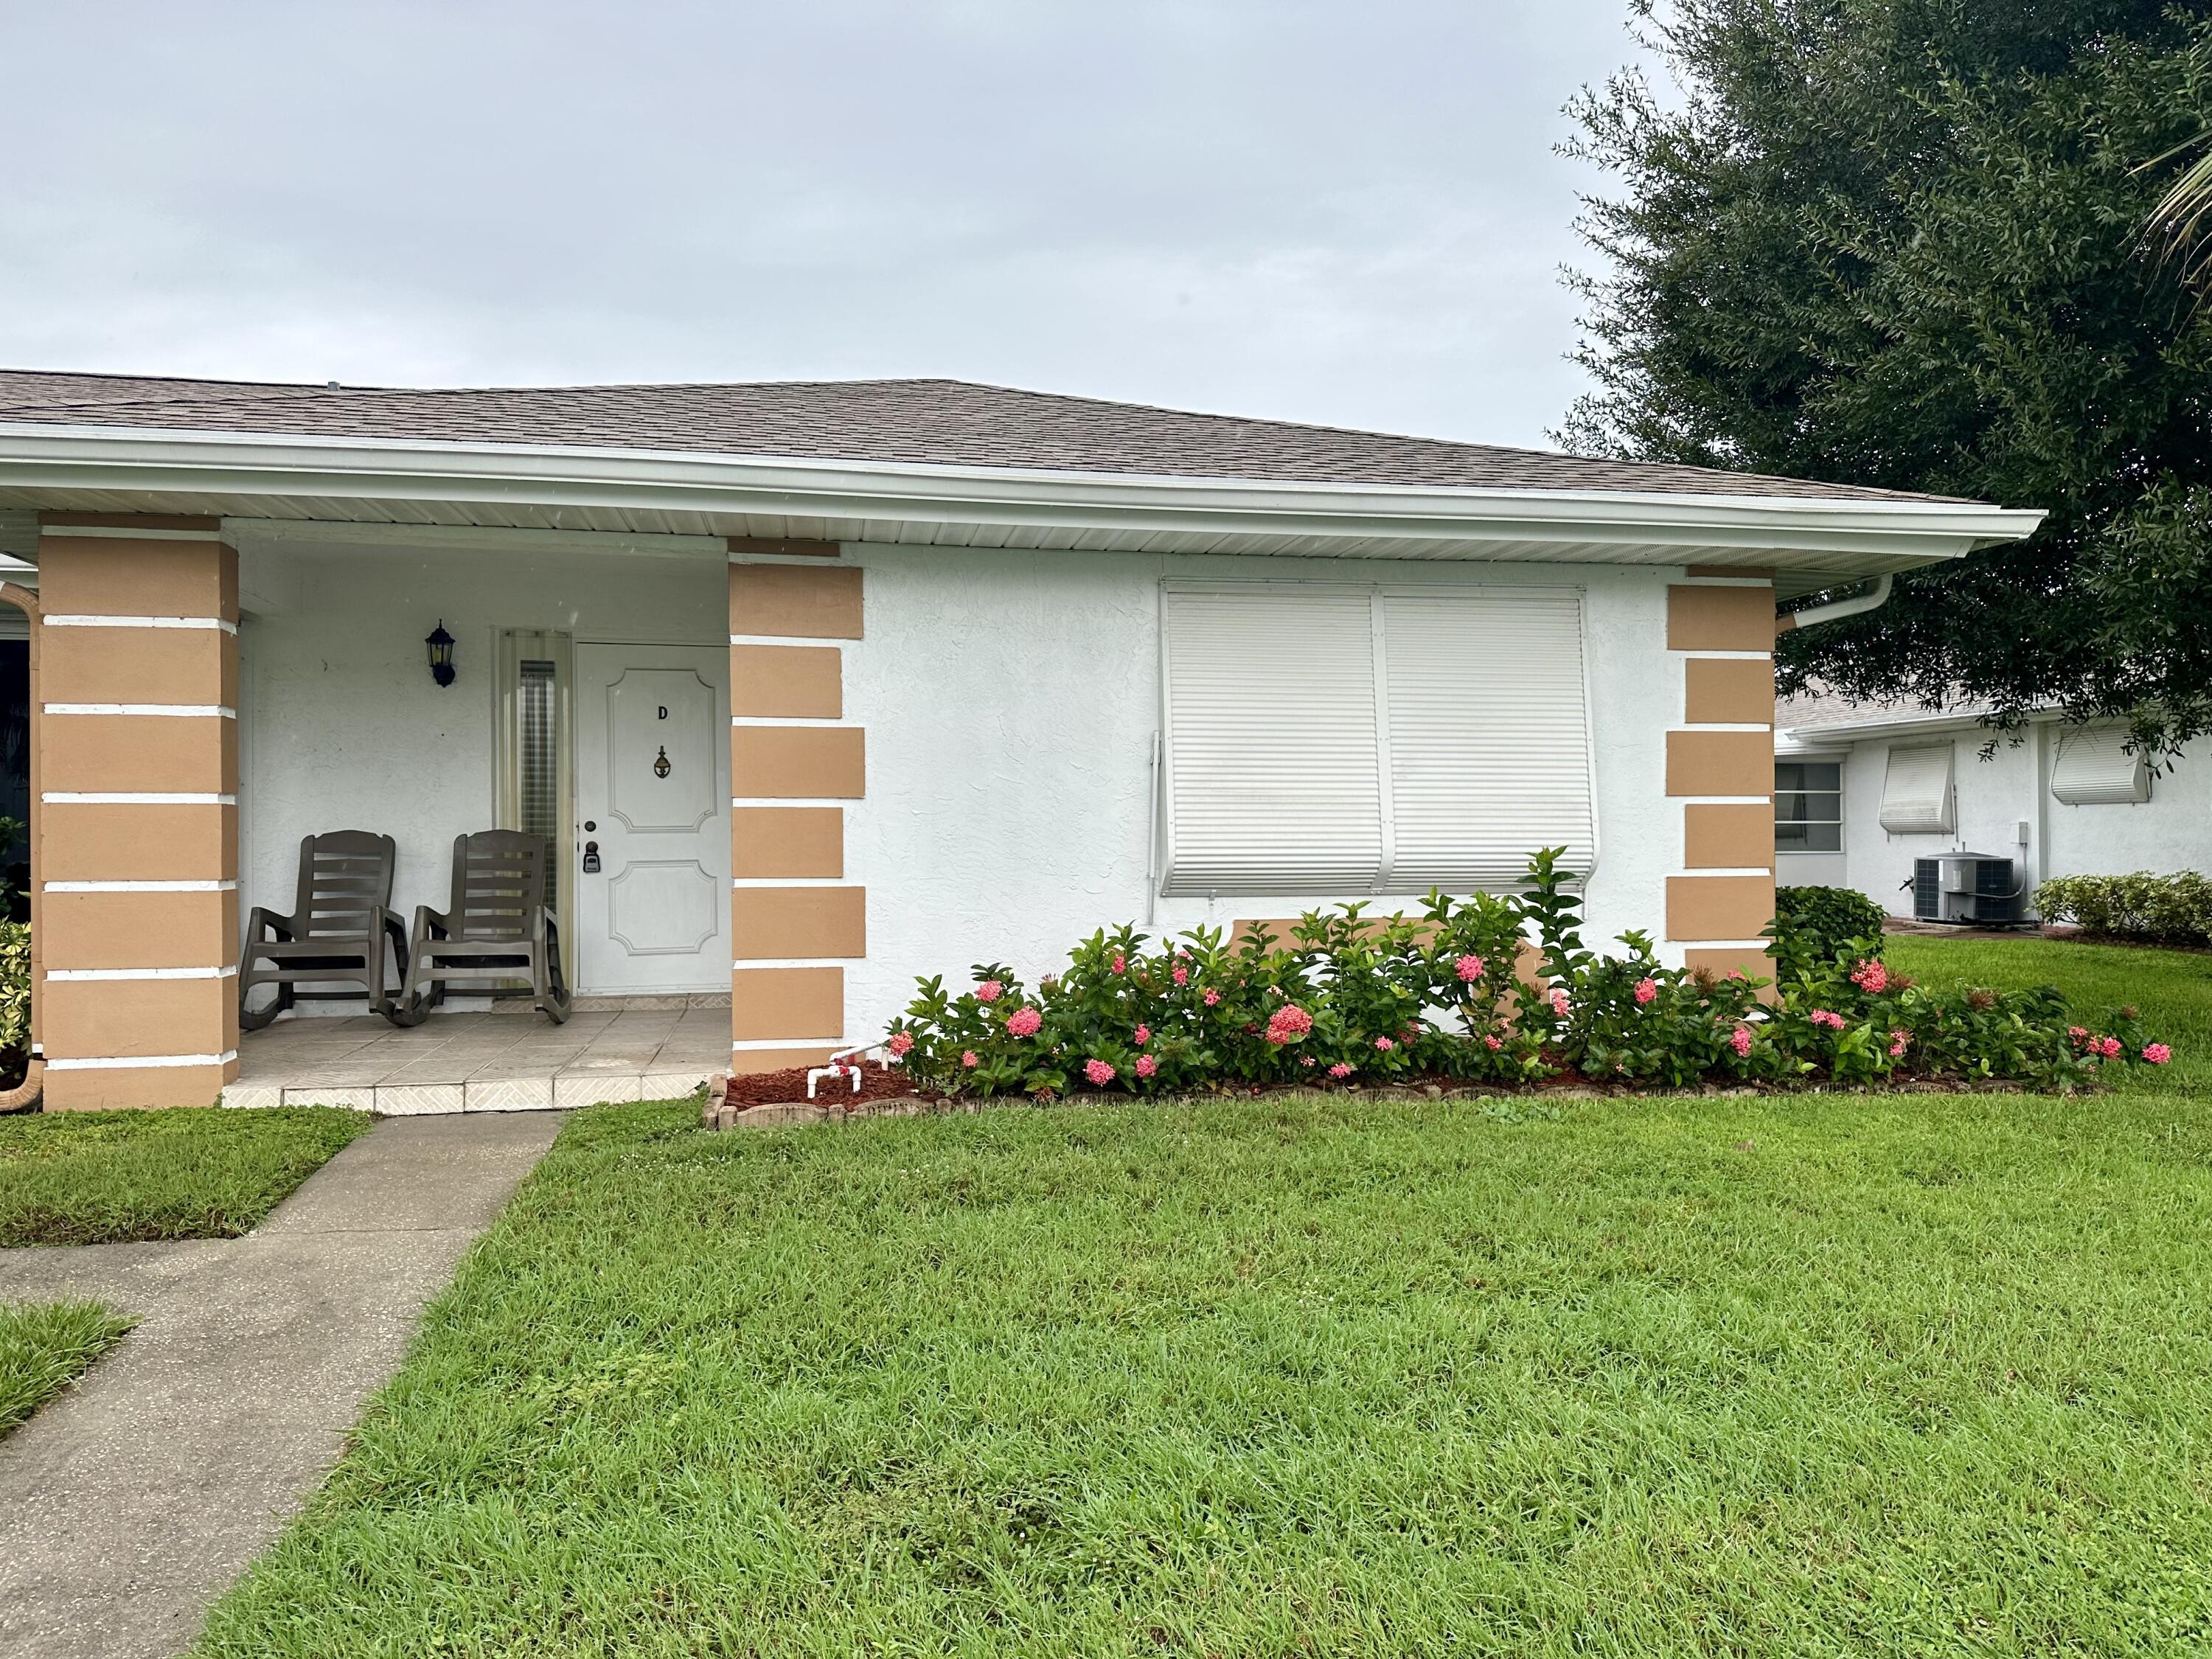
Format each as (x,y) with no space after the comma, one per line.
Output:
(752,1043)
(228,971)
(140,1062)
(134,797)
(178,710)
(140,622)
(141,887)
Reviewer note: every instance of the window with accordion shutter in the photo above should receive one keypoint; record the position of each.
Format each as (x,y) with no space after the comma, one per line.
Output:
(1326,739)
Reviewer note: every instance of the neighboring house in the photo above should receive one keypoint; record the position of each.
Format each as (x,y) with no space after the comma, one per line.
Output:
(1862,792)
(838,683)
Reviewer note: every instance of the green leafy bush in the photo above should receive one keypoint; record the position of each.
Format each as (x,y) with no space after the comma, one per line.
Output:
(1812,923)
(2174,909)
(15,999)
(1491,989)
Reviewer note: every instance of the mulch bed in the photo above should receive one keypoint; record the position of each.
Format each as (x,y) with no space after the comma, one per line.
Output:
(887,1090)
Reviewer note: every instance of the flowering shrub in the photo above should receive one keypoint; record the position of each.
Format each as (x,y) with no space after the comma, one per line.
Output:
(1484,989)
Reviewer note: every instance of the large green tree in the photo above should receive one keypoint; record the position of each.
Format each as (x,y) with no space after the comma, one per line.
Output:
(1901,243)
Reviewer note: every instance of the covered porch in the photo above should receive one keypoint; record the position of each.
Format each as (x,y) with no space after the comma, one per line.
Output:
(639,1048)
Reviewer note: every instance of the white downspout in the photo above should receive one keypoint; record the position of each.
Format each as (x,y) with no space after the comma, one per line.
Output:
(1836,610)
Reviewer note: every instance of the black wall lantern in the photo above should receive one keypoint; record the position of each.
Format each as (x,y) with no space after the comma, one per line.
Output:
(441,653)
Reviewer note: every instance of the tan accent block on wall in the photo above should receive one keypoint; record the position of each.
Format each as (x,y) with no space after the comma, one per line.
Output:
(140,930)
(159,753)
(1732,837)
(797,1003)
(88,576)
(787,843)
(1751,964)
(98,1089)
(745,1062)
(799,921)
(1719,907)
(788,682)
(138,665)
(1727,691)
(1720,618)
(127,1019)
(97,841)
(796,600)
(1720,763)
(825,762)
(1736,572)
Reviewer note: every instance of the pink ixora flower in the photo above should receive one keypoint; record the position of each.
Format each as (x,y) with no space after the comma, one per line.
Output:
(1120,963)
(989,991)
(1146,1066)
(901,1044)
(1559,1001)
(1871,977)
(1898,1040)
(1179,974)
(1469,968)
(1492,1044)
(1288,1024)
(1308,1061)
(968,1059)
(1098,1071)
(1144,1035)
(1646,989)
(1834,1022)
(2109,1048)
(1211,996)
(1339,1070)
(1384,1044)
(2157,1052)
(1740,1040)
(1024,1022)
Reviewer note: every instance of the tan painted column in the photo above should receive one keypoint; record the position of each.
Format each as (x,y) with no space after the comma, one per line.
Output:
(1720,764)
(138,783)
(795,761)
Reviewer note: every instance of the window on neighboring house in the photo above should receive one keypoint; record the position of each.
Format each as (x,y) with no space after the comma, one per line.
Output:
(1325,738)
(1808,806)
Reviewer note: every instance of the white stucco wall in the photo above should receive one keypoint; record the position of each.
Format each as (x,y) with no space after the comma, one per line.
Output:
(1011,699)
(341,726)
(2171,831)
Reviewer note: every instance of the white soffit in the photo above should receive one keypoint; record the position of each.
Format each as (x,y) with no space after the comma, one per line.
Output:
(1821,542)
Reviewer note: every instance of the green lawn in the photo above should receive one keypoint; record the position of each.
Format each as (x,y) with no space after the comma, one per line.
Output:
(190,1172)
(47,1345)
(1926,1374)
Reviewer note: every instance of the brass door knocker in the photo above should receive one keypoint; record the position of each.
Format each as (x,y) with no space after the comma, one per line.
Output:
(660,764)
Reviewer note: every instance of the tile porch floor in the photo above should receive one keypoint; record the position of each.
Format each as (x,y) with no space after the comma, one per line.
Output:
(482,1062)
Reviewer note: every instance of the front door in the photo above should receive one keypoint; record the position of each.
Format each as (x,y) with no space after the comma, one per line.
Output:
(653,830)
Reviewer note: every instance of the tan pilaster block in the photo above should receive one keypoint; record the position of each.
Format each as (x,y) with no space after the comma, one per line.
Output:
(91,576)
(122,1019)
(1720,618)
(797,1003)
(785,843)
(1728,837)
(788,682)
(140,929)
(160,753)
(1719,907)
(799,601)
(1720,763)
(798,762)
(799,922)
(104,1088)
(139,842)
(138,665)
(751,1062)
(1728,691)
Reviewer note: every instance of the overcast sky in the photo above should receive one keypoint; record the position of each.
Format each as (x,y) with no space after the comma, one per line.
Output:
(1347,212)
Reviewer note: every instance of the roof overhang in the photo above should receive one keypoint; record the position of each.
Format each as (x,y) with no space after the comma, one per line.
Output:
(1812,542)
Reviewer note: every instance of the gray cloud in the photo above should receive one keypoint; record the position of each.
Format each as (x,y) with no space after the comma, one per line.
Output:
(1340,212)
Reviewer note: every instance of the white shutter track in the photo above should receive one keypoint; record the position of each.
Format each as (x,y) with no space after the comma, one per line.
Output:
(1273,773)
(1489,736)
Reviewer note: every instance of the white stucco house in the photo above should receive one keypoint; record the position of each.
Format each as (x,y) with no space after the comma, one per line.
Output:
(1862,793)
(812,688)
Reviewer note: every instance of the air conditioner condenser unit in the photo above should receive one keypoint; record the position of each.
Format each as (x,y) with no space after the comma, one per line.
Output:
(1969,889)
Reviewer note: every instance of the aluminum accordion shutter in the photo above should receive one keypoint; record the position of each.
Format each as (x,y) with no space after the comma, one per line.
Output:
(1489,736)
(2094,768)
(1273,783)
(1916,790)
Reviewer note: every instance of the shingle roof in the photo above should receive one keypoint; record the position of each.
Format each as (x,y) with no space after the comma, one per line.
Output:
(922,422)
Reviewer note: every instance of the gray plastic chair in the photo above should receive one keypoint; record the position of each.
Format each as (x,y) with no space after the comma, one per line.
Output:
(340,920)
(497,928)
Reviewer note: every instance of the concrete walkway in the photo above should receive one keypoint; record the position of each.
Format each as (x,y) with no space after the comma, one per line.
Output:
(130,1504)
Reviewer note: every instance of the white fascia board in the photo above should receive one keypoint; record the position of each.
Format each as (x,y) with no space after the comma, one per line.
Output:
(1891,726)
(33,457)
